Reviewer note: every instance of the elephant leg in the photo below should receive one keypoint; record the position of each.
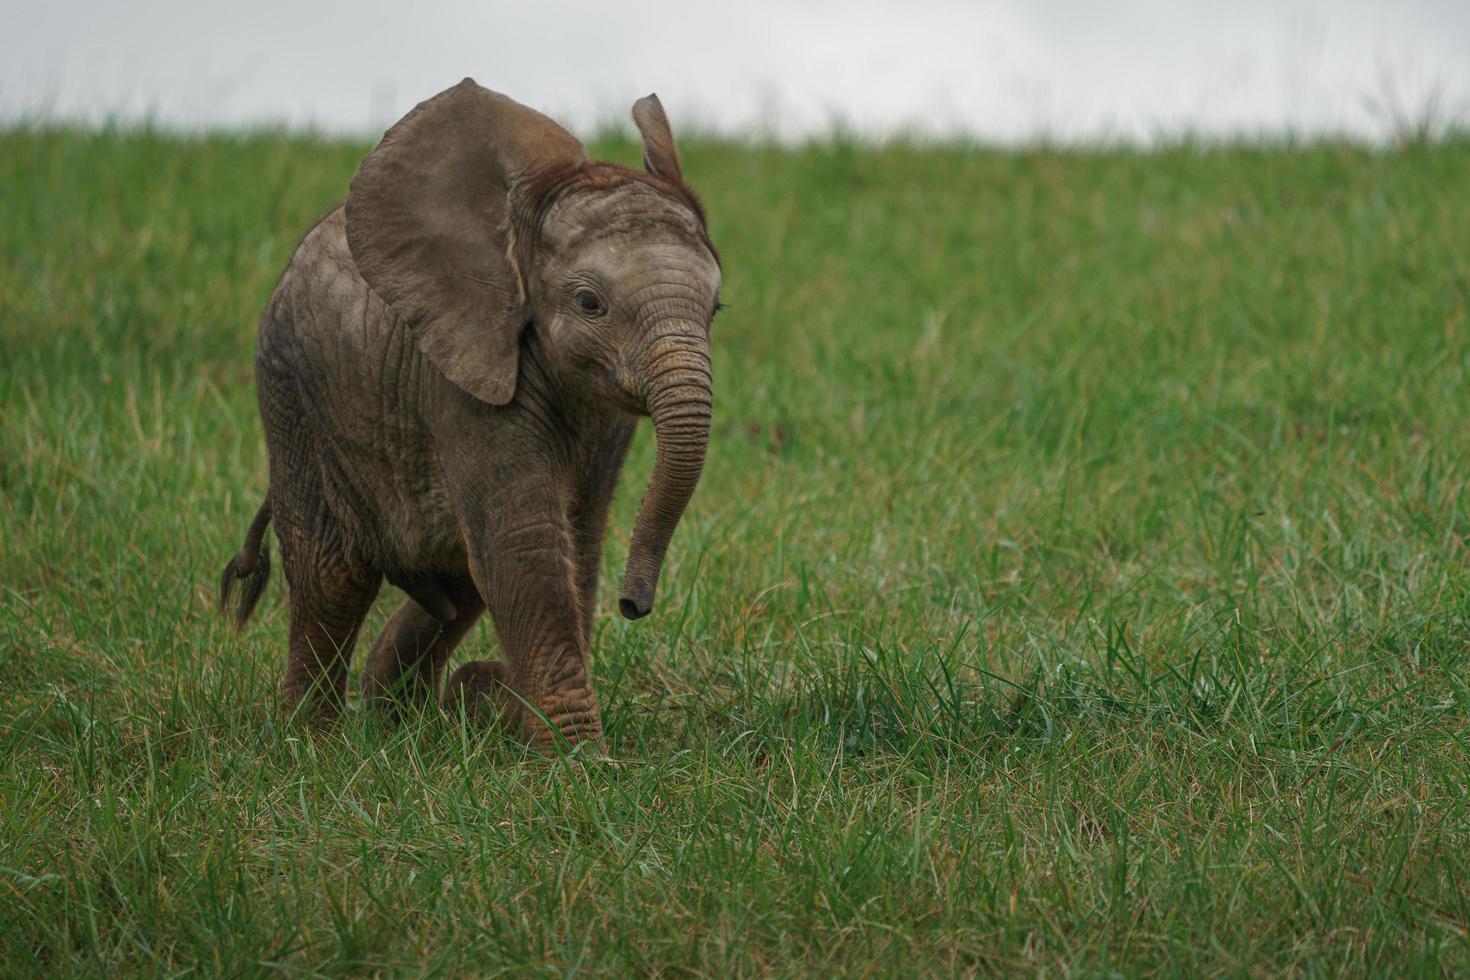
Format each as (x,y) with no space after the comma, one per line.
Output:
(331,589)
(407,662)
(588,527)
(328,602)
(589,566)
(588,517)
(484,691)
(524,564)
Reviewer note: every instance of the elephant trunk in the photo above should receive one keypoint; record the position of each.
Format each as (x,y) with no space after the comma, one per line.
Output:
(678,398)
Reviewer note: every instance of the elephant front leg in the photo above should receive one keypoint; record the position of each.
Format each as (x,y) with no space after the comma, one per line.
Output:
(527,570)
(596,481)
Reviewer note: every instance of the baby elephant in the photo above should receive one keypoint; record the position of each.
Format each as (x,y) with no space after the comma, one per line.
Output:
(449,373)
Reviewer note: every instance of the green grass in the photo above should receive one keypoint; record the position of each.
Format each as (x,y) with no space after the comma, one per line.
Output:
(1078,582)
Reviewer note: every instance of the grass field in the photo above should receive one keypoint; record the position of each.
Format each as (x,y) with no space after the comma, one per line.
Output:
(1078,582)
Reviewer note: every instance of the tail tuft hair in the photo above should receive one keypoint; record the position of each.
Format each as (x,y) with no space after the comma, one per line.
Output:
(248,572)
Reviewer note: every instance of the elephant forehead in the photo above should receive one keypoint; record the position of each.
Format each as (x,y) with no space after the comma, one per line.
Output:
(661,254)
(628,212)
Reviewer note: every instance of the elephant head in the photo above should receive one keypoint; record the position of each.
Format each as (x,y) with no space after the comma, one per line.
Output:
(480,221)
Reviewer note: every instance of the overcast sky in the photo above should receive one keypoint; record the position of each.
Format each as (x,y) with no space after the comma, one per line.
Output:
(1006,71)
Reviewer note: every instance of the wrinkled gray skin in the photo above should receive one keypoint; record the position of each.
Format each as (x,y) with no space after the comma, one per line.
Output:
(449,374)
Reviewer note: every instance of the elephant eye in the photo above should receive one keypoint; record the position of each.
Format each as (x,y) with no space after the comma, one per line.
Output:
(589,303)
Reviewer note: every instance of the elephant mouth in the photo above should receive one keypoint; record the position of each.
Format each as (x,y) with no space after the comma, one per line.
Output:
(627,401)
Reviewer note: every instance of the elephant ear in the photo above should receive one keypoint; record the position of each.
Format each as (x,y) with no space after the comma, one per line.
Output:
(660,156)
(429,226)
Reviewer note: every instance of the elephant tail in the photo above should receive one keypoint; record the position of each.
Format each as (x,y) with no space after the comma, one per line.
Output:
(247,571)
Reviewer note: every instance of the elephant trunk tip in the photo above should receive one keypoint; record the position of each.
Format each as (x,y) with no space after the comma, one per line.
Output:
(634,608)
(636,601)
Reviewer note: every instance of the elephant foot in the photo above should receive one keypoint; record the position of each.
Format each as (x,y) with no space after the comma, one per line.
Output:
(570,722)
(482,690)
(485,692)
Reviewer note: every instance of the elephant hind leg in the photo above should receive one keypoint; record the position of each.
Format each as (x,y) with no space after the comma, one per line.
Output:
(407,661)
(484,692)
(328,602)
